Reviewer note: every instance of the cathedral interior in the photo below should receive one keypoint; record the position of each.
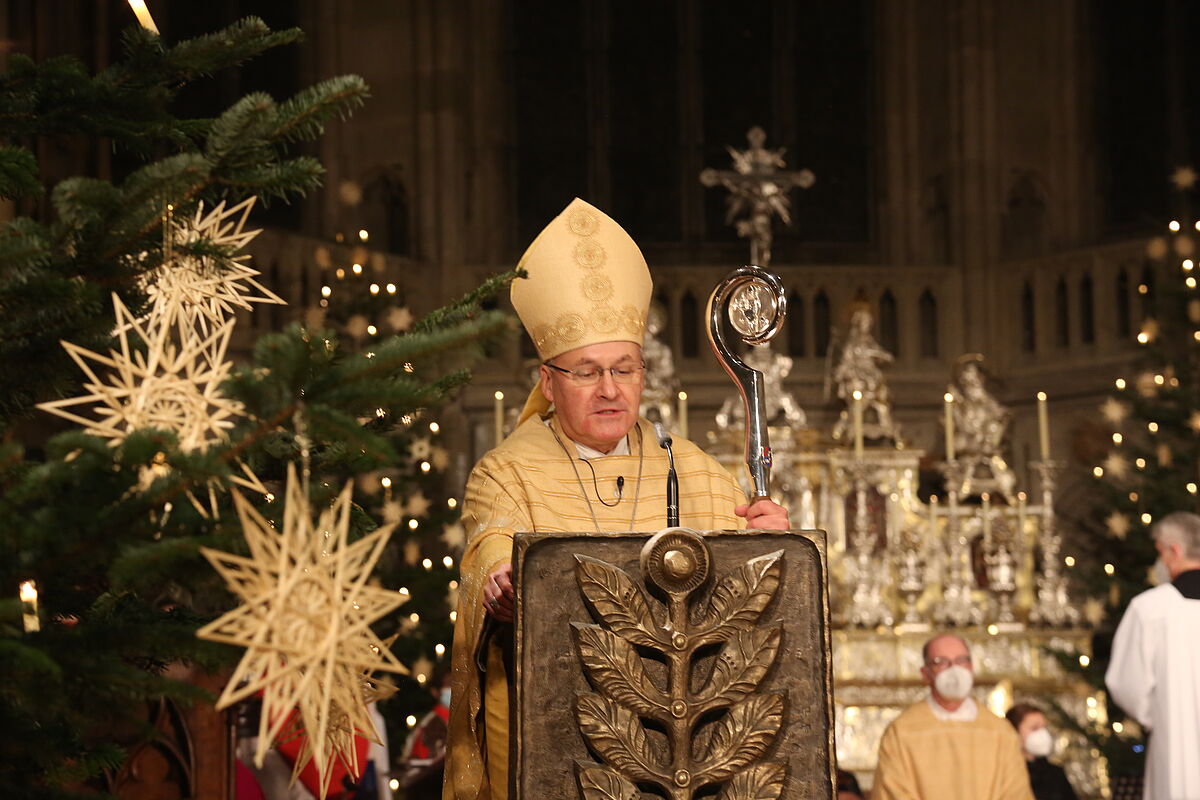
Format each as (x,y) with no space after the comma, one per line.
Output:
(982,182)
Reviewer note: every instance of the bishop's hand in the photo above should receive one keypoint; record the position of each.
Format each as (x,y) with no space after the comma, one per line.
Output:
(498,593)
(764,515)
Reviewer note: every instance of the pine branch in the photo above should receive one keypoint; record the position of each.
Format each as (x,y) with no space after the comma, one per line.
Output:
(18,173)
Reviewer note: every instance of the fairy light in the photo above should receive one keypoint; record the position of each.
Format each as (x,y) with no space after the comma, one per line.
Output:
(356,269)
(394,784)
(426,466)
(1191,487)
(29,607)
(1143,337)
(371,329)
(1146,518)
(414,617)
(421,678)
(1174,226)
(440,649)
(386,482)
(434,427)
(1084,661)
(391,288)
(427,563)
(1140,463)
(341,273)
(452,503)
(1152,427)
(1117,727)
(410,720)
(1118,438)
(363,236)
(412,524)
(1191,282)
(270,498)
(454,616)
(404,591)
(1069,561)
(1143,288)
(1121,382)
(993,629)
(1098,472)
(1159,380)
(447,562)
(1188,264)
(326,291)
(453,584)
(1133,497)
(1109,569)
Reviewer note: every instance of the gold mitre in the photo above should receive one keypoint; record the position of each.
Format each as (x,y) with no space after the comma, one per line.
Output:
(588,283)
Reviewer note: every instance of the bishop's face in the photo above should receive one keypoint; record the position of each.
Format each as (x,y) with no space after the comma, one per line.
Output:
(596,414)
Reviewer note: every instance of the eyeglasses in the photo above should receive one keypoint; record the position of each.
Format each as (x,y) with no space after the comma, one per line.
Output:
(590,376)
(941,662)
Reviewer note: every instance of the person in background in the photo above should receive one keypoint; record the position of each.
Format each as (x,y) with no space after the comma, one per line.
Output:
(946,747)
(1048,780)
(847,786)
(425,751)
(1154,673)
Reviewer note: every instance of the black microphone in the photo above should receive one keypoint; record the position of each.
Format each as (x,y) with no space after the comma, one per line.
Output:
(664,441)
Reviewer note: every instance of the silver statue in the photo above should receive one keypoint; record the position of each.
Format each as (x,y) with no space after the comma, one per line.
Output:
(758,190)
(980,427)
(662,385)
(753,302)
(781,405)
(860,369)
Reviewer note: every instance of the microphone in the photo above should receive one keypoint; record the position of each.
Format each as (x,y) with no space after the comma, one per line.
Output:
(664,441)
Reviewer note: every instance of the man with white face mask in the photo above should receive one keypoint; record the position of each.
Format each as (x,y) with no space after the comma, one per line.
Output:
(1154,673)
(946,746)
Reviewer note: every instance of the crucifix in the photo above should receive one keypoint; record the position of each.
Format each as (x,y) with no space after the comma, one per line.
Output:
(758,188)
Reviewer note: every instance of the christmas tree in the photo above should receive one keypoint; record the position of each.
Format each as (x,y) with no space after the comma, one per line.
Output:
(1147,466)
(103,527)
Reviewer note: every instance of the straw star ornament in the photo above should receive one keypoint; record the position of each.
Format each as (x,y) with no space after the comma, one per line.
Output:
(305,623)
(172,385)
(205,290)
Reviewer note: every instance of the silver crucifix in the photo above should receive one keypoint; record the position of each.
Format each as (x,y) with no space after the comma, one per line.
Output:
(752,301)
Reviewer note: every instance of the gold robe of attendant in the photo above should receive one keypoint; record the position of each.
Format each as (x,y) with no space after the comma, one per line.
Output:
(922,757)
(527,484)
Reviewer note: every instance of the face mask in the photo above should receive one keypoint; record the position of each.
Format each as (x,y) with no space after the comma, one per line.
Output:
(1160,575)
(444,697)
(1040,743)
(954,682)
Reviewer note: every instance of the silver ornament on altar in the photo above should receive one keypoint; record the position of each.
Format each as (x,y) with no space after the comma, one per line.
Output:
(740,296)
(860,369)
(980,429)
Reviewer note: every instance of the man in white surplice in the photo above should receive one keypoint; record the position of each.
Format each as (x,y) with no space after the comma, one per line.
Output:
(1155,669)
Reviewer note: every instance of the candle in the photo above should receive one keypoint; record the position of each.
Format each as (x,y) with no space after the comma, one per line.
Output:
(1021,519)
(499,421)
(949,398)
(683,415)
(857,410)
(1043,426)
(143,15)
(29,610)
(987,521)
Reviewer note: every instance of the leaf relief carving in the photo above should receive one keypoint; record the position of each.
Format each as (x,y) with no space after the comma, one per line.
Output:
(617,601)
(741,736)
(617,671)
(760,782)
(601,783)
(741,596)
(741,666)
(617,736)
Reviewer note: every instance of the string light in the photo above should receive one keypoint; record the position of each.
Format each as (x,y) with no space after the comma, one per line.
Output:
(371,329)
(993,629)
(440,649)
(386,482)
(1109,569)
(421,678)
(394,784)
(410,720)
(1143,337)
(1121,381)
(1069,561)
(1191,282)
(434,427)
(404,591)
(452,503)
(391,288)
(1188,264)
(1118,438)
(1159,380)
(341,273)
(1146,518)
(1143,289)
(326,291)
(270,498)
(454,616)
(1084,661)
(426,466)
(447,562)
(1174,226)
(363,236)
(427,563)
(1140,463)
(1098,472)
(374,288)
(1133,497)
(412,524)
(1191,487)
(356,269)
(414,617)
(1152,427)
(453,584)
(1118,727)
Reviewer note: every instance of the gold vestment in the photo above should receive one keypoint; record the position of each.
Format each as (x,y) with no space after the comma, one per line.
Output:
(922,757)
(527,484)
